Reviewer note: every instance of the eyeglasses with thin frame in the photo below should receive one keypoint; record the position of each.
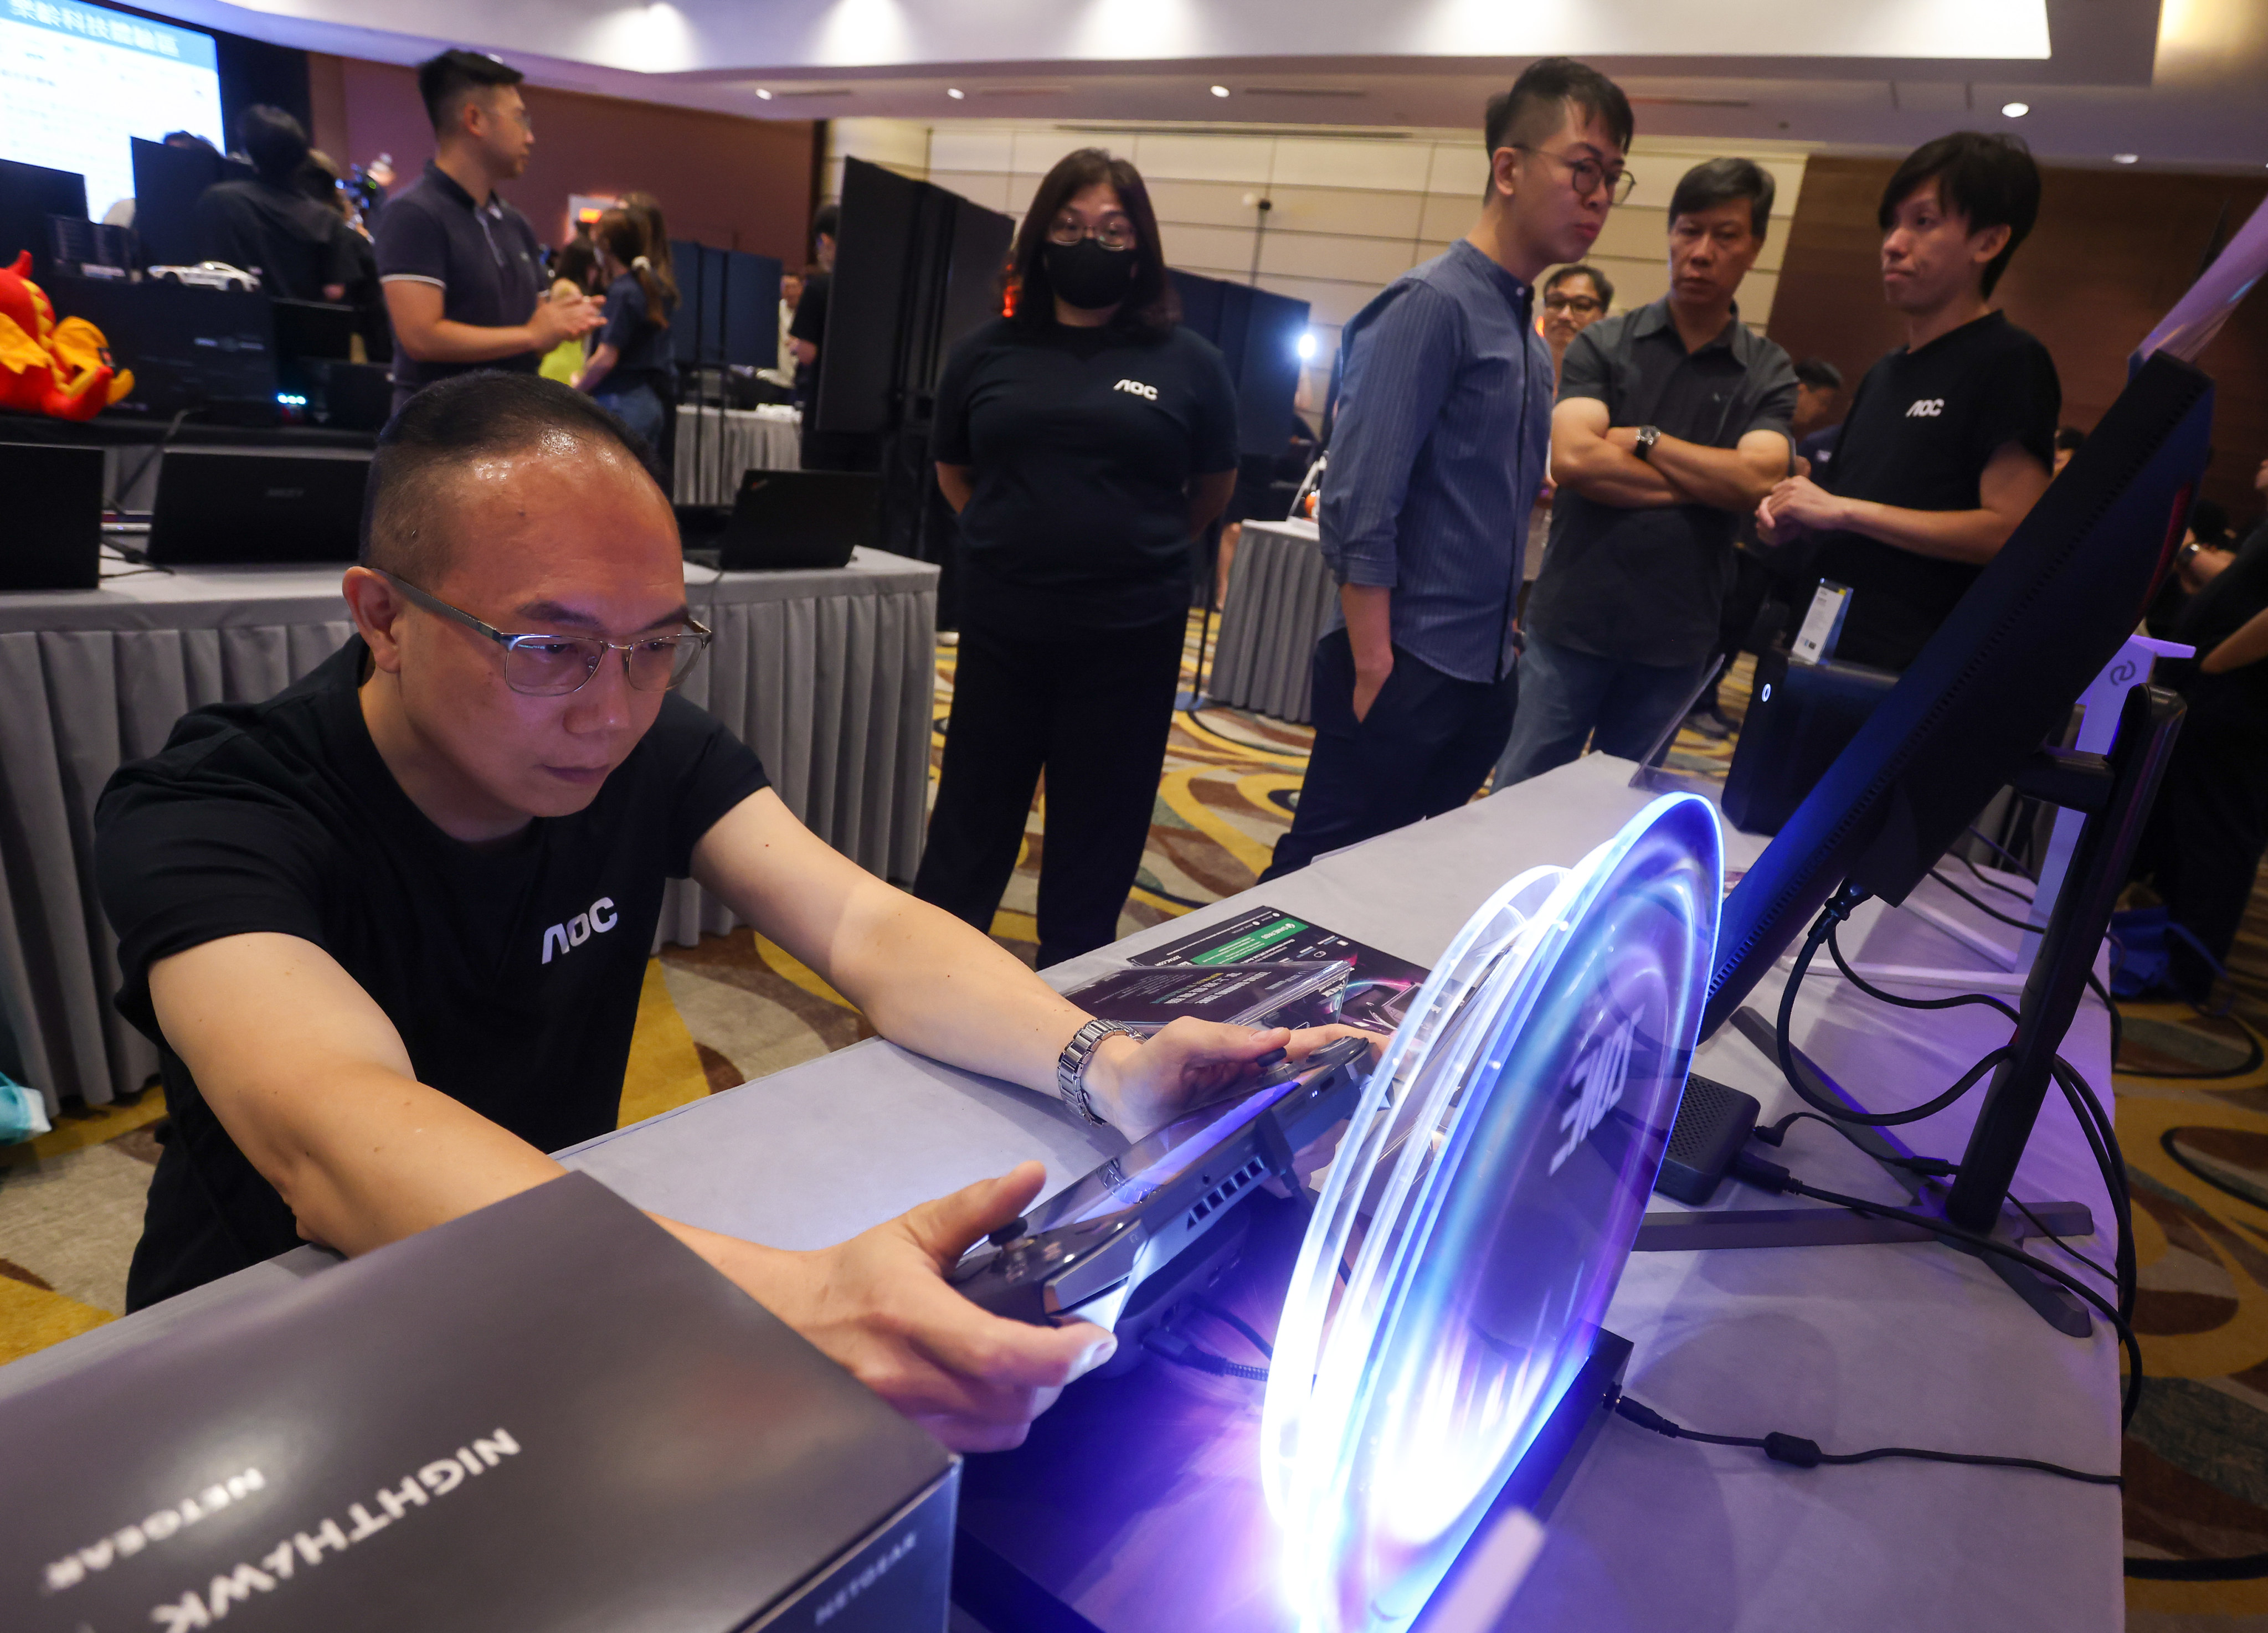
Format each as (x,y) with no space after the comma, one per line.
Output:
(552,665)
(1581,305)
(1587,174)
(1116,232)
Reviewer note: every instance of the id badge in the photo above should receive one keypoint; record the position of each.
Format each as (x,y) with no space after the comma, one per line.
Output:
(1823,625)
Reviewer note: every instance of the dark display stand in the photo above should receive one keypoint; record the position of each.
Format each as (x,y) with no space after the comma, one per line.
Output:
(2114,792)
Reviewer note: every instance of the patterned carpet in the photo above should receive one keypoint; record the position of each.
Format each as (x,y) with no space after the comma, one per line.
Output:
(2192,1106)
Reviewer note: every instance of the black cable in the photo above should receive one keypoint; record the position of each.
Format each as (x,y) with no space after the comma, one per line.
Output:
(1835,951)
(2016,862)
(1978,873)
(1251,1334)
(1799,1452)
(118,495)
(1169,1344)
(2107,1276)
(1768,1176)
(1986,908)
(2102,1139)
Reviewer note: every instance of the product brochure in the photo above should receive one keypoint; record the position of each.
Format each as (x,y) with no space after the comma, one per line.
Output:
(1304,994)
(1377,995)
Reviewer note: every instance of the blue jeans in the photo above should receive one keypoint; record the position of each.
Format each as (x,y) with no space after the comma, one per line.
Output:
(637,406)
(1568,698)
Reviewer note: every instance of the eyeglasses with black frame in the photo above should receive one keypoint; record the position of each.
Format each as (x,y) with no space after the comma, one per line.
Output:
(552,665)
(1587,174)
(1116,232)
(1581,305)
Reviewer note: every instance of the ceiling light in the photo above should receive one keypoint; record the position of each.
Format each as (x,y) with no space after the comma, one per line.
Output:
(762,95)
(1220,91)
(955,92)
(2125,159)
(2016,110)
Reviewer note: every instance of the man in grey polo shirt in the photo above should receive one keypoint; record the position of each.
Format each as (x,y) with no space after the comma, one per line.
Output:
(463,270)
(1436,456)
(1672,425)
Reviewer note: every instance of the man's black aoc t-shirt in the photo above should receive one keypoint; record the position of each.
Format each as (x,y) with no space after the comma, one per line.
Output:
(1921,430)
(511,972)
(1081,442)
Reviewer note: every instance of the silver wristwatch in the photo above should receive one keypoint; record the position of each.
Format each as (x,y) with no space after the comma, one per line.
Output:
(1642,445)
(1071,1064)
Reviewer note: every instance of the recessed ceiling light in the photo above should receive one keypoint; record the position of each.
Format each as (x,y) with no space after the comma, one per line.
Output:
(2125,159)
(955,92)
(762,95)
(1220,91)
(2016,110)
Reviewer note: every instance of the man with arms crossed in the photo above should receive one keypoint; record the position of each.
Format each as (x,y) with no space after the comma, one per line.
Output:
(1951,437)
(462,270)
(389,927)
(1672,422)
(1436,458)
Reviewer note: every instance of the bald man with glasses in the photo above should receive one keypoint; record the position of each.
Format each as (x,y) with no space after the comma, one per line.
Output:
(388,929)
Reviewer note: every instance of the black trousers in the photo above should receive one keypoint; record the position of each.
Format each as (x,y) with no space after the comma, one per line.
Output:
(2210,824)
(1095,711)
(1422,749)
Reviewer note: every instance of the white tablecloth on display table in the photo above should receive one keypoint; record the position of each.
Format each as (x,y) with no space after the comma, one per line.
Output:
(715,445)
(1279,597)
(1906,1345)
(829,675)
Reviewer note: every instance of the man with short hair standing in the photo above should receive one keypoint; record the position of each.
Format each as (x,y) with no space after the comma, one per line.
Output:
(462,270)
(1438,448)
(1672,422)
(1951,438)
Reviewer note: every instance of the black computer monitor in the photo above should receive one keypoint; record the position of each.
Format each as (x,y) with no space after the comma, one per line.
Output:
(210,352)
(858,372)
(751,310)
(1996,681)
(1258,333)
(685,324)
(29,193)
(168,181)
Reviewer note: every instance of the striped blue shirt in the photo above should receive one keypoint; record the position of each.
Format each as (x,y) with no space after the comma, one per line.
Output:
(1441,441)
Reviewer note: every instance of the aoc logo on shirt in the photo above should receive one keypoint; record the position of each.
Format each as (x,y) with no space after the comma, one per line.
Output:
(564,938)
(1926,409)
(1148,394)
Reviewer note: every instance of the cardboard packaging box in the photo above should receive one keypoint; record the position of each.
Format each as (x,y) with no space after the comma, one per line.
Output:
(549,1415)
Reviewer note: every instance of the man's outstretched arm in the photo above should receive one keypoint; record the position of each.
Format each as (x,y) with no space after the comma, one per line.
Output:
(312,1081)
(942,988)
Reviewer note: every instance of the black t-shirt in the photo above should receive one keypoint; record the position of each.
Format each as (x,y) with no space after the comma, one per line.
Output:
(512,973)
(810,324)
(641,344)
(1920,432)
(291,240)
(1082,444)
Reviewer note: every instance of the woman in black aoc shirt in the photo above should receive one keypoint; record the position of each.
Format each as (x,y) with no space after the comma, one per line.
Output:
(1084,441)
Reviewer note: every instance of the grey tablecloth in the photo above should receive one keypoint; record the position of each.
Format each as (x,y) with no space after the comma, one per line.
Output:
(829,675)
(714,445)
(1279,597)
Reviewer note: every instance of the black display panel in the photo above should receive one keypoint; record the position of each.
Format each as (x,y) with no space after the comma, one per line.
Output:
(167,183)
(858,372)
(751,309)
(29,193)
(1258,333)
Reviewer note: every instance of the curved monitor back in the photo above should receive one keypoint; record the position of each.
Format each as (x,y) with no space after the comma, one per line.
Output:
(1997,680)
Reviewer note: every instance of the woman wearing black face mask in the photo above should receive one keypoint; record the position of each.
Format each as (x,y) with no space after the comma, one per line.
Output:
(1084,441)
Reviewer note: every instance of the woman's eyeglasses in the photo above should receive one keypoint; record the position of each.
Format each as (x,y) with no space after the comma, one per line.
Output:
(1116,234)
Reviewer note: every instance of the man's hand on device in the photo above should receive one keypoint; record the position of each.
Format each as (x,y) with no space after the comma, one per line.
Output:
(1140,1086)
(879,1304)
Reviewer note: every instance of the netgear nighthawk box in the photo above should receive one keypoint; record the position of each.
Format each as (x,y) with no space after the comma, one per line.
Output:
(548,1415)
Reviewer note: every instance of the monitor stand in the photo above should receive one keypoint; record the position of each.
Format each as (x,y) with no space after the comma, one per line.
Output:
(2113,792)
(1136,1506)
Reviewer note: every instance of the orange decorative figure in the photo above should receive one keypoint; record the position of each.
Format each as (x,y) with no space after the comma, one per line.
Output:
(61,370)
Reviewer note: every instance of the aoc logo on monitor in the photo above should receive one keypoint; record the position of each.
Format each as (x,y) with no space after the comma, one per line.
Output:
(564,938)
(1148,394)
(1598,1084)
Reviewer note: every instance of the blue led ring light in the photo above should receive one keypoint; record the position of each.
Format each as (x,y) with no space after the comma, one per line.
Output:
(1477,1218)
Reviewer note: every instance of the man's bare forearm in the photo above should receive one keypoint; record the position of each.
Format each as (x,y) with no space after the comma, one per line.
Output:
(2248,645)
(1605,475)
(1724,478)
(1369,612)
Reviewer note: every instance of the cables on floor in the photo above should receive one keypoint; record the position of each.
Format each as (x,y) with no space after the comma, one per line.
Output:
(1799,1452)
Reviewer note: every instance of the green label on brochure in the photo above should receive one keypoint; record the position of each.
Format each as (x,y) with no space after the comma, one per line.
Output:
(1244,947)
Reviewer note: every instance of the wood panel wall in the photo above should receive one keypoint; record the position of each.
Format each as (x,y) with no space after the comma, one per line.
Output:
(732,182)
(2112,251)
